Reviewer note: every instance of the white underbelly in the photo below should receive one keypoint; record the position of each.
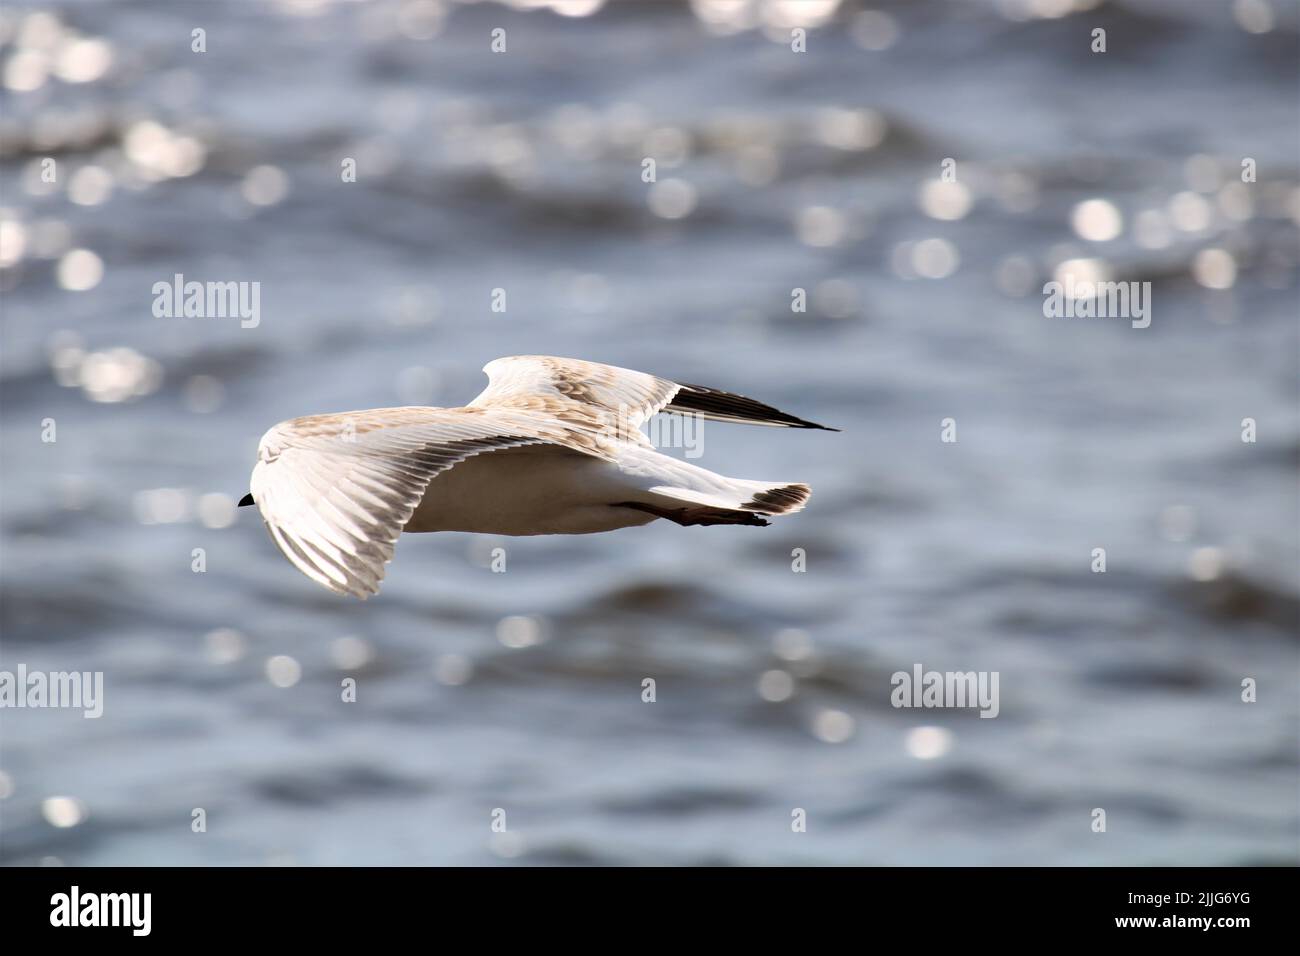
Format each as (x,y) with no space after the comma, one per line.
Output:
(529,490)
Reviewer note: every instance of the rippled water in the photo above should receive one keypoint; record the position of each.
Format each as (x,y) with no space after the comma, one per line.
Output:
(522,691)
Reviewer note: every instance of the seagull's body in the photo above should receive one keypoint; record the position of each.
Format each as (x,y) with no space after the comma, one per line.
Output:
(563,493)
(552,446)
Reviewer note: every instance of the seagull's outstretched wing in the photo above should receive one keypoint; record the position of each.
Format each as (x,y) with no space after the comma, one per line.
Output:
(336,490)
(616,400)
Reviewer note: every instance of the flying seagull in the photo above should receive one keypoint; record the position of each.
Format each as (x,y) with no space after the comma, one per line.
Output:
(551,446)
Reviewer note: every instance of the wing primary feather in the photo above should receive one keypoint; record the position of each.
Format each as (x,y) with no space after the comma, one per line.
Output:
(717,405)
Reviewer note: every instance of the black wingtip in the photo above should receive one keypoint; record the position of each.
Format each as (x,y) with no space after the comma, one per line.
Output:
(728,406)
(247,500)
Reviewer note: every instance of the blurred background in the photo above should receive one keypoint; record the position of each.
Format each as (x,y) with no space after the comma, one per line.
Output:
(775,171)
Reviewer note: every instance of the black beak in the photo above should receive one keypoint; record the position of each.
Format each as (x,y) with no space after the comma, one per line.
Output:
(247,500)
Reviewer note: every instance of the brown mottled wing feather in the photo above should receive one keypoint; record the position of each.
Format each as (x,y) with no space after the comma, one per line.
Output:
(614,400)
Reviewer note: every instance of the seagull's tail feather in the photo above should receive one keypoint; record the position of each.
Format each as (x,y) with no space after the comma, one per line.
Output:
(779,499)
(682,492)
(738,502)
(737,494)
